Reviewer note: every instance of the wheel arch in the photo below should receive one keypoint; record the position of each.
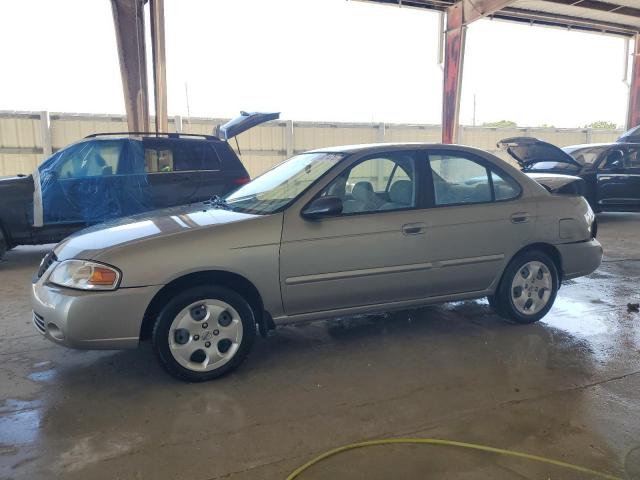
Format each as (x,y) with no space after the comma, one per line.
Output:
(545,248)
(230,280)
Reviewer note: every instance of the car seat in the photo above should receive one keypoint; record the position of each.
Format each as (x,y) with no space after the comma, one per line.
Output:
(400,195)
(363,198)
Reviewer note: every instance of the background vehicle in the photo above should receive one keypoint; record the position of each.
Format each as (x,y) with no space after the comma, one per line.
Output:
(333,232)
(611,171)
(106,176)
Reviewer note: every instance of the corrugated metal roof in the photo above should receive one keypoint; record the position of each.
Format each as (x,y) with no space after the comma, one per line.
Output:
(621,17)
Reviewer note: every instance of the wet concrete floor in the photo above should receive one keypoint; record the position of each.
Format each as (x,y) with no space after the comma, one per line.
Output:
(567,388)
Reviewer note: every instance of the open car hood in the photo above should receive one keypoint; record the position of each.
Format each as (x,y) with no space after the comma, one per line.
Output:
(244,122)
(630,136)
(527,151)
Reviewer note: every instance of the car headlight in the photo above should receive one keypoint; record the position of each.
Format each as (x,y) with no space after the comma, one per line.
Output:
(85,275)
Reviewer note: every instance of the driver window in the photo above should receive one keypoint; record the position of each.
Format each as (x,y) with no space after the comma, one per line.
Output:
(613,159)
(90,159)
(377,184)
(632,159)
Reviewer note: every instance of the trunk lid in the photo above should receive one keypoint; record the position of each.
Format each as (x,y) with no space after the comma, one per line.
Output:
(528,150)
(244,122)
(560,184)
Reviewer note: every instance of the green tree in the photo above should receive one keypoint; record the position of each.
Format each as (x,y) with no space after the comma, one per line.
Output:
(500,124)
(602,124)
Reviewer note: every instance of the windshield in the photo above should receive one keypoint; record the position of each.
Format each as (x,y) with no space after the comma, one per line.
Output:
(586,156)
(282,184)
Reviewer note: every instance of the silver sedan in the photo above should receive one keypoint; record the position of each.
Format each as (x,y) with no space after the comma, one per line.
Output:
(331,232)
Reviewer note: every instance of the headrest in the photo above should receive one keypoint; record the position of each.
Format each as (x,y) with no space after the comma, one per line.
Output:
(401,192)
(362,191)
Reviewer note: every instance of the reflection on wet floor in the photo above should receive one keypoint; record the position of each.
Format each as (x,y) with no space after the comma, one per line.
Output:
(19,422)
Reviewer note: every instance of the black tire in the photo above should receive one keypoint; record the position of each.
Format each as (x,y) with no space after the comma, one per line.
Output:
(494,303)
(503,302)
(162,326)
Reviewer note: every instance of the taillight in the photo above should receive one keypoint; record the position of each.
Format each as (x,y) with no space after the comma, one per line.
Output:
(241,180)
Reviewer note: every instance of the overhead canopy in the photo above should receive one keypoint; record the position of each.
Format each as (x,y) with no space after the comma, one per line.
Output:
(620,17)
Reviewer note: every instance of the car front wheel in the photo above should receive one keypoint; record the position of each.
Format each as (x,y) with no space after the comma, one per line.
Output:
(203,333)
(528,288)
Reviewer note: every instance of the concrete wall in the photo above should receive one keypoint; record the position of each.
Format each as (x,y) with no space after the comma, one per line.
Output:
(26,138)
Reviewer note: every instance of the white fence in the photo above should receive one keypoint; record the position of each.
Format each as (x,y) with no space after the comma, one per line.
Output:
(26,138)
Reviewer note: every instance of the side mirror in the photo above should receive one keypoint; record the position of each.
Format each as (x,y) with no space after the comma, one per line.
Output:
(323,207)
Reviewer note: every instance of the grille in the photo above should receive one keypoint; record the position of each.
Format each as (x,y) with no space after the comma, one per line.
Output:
(38,321)
(48,259)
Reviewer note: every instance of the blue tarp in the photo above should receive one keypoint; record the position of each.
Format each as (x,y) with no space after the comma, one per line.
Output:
(95,180)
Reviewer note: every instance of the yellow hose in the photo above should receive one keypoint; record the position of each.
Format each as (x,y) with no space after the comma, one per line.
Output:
(449,443)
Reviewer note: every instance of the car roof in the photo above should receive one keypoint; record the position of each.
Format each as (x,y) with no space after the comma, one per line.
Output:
(375,147)
(595,145)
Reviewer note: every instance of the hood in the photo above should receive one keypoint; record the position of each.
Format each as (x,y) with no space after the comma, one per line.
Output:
(16,179)
(90,242)
(244,122)
(527,151)
(630,136)
(560,184)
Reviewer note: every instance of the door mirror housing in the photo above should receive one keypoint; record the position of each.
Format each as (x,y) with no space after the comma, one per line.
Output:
(323,207)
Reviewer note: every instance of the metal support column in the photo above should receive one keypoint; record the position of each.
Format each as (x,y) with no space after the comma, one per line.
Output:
(459,16)
(633,115)
(453,61)
(159,64)
(45,133)
(128,19)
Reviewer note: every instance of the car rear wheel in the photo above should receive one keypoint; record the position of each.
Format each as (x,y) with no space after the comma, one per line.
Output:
(203,333)
(527,289)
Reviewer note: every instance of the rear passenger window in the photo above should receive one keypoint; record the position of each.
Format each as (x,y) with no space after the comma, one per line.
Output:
(165,156)
(505,188)
(459,180)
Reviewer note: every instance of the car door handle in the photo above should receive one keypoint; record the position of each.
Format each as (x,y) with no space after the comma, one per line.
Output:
(413,228)
(520,217)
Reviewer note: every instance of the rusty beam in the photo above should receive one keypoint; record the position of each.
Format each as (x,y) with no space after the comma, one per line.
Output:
(633,115)
(159,65)
(453,62)
(128,19)
(459,16)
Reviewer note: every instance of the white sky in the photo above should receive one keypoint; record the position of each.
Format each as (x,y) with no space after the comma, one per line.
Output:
(312,60)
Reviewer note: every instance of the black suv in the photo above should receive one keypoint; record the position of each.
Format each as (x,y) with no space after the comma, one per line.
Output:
(105,176)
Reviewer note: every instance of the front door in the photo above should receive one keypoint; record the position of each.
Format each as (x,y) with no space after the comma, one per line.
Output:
(619,180)
(374,252)
(83,184)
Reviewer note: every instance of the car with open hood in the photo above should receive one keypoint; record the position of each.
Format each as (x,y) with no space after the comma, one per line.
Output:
(111,175)
(329,233)
(610,172)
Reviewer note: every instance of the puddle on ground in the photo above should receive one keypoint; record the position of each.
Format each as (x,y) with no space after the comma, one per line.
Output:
(43,376)
(19,422)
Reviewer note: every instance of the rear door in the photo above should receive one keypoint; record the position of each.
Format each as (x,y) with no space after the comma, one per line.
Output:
(619,179)
(173,168)
(476,223)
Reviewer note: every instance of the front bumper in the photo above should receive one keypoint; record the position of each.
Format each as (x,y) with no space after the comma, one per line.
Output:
(580,258)
(90,320)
